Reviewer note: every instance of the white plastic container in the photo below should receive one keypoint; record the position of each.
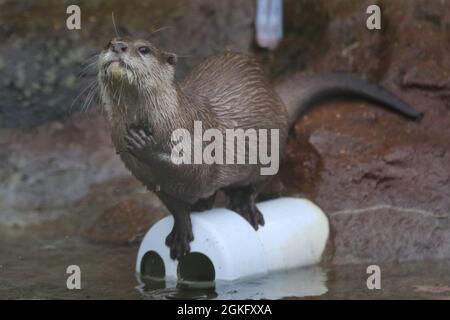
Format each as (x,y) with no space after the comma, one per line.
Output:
(269,23)
(226,247)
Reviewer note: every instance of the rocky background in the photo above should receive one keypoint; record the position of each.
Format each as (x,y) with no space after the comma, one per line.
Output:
(384,181)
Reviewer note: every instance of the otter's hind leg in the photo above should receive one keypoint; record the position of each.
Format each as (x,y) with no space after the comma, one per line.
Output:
(181,235)
(204,204)
(243,201)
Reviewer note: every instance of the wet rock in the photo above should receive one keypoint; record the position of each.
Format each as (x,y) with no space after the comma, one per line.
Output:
(383,180)
(305,25)
(56,75)
(432,289)
(201,28)
(46,170)
(428,78)
(125,222)
(387,233)
(119,211)
(384,185)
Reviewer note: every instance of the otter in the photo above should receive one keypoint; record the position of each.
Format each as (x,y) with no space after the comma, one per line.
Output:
(145,104)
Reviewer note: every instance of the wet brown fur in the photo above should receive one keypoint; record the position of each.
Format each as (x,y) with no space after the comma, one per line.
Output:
(227,90)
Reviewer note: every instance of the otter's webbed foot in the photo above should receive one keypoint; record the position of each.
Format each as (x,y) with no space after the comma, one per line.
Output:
(243,201)
(139,142)
(179,238)
(252,214)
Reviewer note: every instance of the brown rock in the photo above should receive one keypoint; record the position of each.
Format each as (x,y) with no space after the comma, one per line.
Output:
(46,170)
(125,222)
(384,184)
(426,77)
(384,181)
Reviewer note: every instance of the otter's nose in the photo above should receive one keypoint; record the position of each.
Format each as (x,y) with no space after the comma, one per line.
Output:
(118,47)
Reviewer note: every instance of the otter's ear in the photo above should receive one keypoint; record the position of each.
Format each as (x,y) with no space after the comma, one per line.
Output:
(171,58)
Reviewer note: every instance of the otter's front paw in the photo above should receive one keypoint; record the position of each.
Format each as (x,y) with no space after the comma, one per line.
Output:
(137,140)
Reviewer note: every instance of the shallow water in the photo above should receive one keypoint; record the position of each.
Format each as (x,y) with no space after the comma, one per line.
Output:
(36,269)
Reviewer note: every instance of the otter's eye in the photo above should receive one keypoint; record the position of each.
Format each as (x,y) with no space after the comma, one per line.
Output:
(144,50)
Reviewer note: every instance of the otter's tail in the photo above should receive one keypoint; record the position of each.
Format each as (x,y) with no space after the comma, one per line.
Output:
(303,91)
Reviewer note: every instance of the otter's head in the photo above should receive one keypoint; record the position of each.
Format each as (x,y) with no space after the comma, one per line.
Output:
(136,63)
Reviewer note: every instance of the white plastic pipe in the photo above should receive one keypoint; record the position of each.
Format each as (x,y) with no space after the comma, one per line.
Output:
(269,23)
(294,235)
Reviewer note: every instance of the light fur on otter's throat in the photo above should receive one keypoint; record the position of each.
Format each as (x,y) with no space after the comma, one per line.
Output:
(128,102)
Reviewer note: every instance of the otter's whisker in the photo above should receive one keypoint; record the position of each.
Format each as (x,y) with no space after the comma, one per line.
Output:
(90,97)
(160,29)
(92,84)
(91,66)
(114,24)
(91,58)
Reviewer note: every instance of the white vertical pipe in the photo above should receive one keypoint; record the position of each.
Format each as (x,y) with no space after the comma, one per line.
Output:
(269,23)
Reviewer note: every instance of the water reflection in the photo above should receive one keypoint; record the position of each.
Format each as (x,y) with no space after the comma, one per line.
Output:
(304,282)
(37,270)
